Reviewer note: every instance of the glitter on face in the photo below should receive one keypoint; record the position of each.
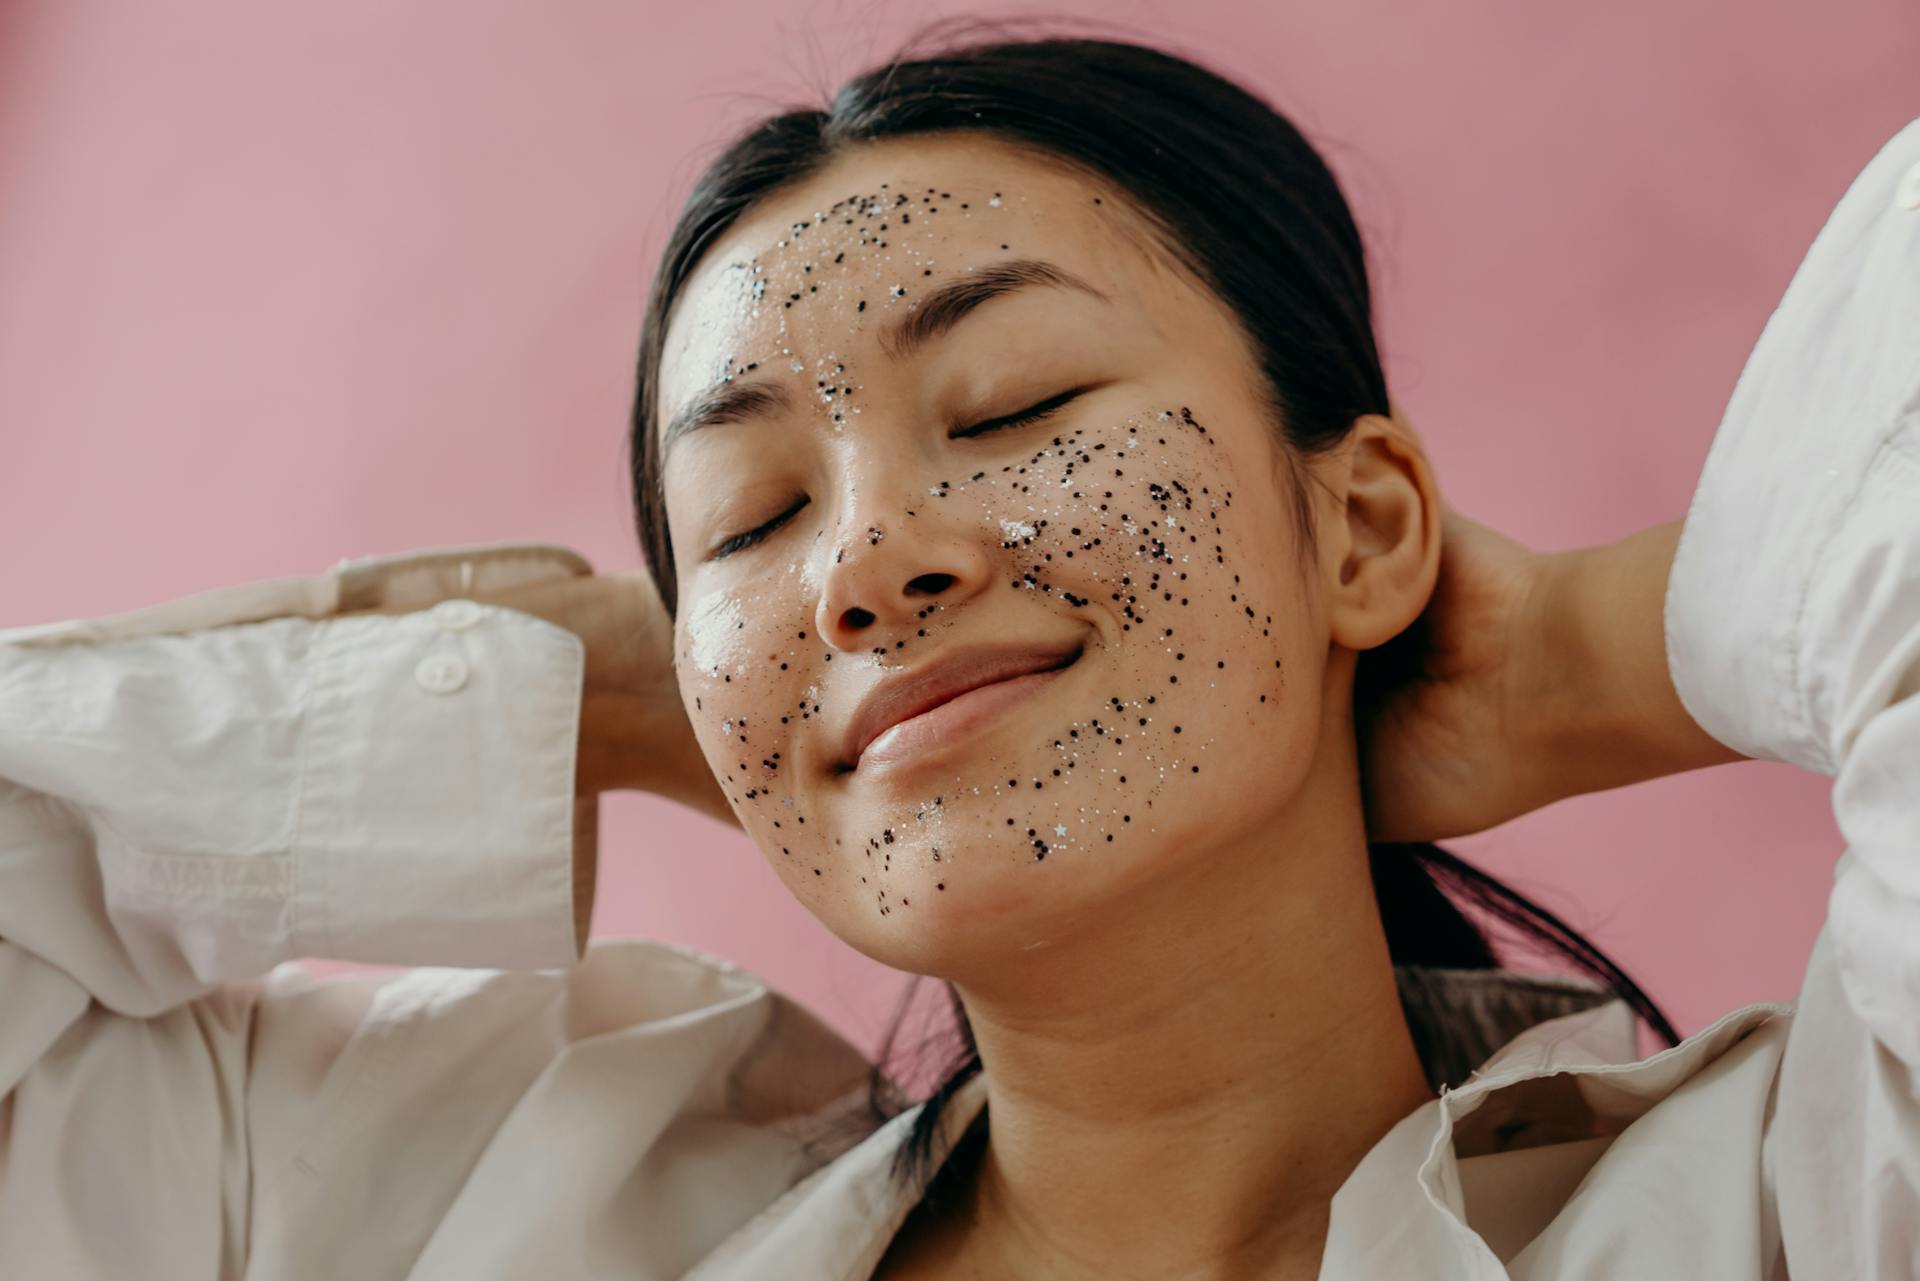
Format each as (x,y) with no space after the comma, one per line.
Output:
(713,628)
(1110,520)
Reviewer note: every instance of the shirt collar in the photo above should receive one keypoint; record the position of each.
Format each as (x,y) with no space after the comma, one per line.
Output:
(1399,1213)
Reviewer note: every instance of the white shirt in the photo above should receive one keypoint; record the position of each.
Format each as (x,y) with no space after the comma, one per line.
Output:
(195,794)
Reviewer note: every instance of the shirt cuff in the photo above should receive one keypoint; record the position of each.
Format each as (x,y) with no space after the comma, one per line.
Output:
(437,814)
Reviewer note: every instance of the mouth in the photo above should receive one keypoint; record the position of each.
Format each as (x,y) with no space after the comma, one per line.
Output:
(932,711)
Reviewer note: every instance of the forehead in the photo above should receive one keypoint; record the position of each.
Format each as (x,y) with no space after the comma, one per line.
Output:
(816,272)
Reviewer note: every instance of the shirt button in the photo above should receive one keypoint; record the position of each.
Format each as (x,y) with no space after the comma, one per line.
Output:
(1907,196)
(441,673)
(455,615)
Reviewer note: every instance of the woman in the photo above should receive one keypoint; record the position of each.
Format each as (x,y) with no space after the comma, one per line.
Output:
(1021,488)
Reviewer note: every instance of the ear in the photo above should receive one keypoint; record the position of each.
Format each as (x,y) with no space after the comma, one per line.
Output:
(1381,555)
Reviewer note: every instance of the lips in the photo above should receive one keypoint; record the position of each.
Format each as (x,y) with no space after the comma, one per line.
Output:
(952,675)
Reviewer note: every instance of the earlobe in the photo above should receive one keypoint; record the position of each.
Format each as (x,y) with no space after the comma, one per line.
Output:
(1392,524)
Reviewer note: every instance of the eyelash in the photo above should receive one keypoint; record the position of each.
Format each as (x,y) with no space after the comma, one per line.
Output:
(740,542)
(1031,414)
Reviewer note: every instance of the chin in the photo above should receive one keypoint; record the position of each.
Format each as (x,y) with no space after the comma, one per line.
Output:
(968,917)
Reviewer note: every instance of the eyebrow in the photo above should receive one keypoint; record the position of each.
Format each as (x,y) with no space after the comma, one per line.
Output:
(729,402)
(932,317)
(952,302)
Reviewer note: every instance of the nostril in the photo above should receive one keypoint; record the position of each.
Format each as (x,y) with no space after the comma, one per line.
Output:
(856,618)
(930,584)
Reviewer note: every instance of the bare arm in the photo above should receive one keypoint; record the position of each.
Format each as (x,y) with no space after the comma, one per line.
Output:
(1615,717)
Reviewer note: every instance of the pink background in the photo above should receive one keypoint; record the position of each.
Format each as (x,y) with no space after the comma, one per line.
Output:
(281,284)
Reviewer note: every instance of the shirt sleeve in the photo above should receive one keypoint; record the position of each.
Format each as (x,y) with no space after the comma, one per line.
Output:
(183,811)
(188,805)
(1793,634)
(179,811)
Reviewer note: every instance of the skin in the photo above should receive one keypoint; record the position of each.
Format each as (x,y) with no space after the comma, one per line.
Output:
(1190,1031)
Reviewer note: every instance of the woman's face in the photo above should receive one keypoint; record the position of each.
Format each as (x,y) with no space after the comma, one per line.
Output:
(943,415)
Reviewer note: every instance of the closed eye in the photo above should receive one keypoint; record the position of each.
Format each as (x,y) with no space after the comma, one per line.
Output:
(1032,413)
(740,542)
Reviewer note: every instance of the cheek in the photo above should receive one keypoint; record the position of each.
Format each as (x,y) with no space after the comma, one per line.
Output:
(1137,523)
(748,667)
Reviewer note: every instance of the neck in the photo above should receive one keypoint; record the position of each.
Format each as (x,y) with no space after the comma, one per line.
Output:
(1181,1092)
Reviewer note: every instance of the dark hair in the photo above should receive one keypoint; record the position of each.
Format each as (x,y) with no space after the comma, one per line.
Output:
(1241,200)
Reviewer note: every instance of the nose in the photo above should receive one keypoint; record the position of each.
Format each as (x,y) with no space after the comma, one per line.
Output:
(882,580)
